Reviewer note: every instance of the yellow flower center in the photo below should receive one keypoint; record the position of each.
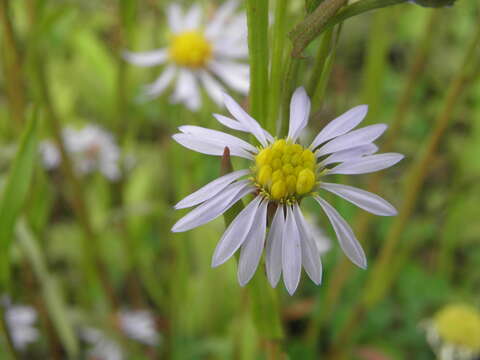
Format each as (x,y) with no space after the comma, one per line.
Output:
(190,49)
(285,170)
(460,325)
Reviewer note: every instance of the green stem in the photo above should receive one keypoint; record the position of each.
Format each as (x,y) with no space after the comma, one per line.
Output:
(278,56)
(322,54)
(289,85)
(257,18)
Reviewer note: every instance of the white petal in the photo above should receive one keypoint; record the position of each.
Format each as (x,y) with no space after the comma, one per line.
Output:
(350,154)
(213,87)
(210,190)
(210,147)
(161,83)
(215,26)
(175,18)
(367,164)
(363,199)
(212,208)
(354,138)
(299,112)
(242,116)
(235,75)
(147,58)
(208,134)
(235,125)
(291,253)
(341,125)
(349,244)
(273,252)
(186,90)
(236,233)
(310,255)
(191,21)
(253,246)
(228,51)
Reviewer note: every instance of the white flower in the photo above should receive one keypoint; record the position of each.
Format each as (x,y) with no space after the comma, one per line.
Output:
(91,148)
(21,321)
(283,173)
(139,325)
(102,348)
(200,54)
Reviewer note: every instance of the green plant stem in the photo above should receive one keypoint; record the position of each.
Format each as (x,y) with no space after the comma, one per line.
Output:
(289,85)
(12,67)
(343,268)
(320,59)
(278,60)
(305,32)
(383,273)
(257,19)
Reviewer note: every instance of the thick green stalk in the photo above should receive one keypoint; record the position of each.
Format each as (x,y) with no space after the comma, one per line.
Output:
(383,273)
(343,268)
(278,63)
(322,54)
(257,18)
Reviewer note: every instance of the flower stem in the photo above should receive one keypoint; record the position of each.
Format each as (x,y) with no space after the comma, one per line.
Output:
(383,273)
(257,18)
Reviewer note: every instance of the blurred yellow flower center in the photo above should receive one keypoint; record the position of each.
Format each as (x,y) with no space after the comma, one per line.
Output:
(459,325)
(285,170)
(190,49)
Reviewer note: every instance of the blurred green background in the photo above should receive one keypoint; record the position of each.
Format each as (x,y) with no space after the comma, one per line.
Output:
(72,237)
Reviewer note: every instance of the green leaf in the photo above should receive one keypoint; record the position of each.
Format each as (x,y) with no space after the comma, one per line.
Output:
(15,193)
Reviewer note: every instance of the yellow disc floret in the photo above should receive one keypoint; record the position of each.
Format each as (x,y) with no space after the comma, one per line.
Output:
(285,170)
(459,325)
(190,49)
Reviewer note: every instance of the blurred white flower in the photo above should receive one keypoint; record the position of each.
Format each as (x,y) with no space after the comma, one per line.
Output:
(102,348)
(200,53)
(91,149)
(139,325)
(20,321)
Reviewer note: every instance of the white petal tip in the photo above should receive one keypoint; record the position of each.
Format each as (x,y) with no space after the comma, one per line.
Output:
(291,291)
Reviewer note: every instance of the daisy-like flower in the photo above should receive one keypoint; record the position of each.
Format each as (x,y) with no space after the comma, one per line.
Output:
(21,324)
(283,173)
(91,148)
(199,54)
(139,325)
(101,347)
(454,332)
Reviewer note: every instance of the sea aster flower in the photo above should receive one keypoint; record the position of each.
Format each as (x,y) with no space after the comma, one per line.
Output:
(21,321)
(283,173)
(454,332)
(101,347)
(139,325)
(91,148)
(199,53)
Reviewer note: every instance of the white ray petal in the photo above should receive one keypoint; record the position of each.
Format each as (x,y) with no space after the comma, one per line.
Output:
(235,75)
(367,164)
(245,119)
(147,58)
(210,209)
(252,248)
(291,253)
(236,233)
(214,28)
(226,50)
(186,90)
(235,125)
(210,147)
(162,82)
(273,252)
(348,242)
(341,125)
(350,154)
(192,18)
(363,199)
(310,255)
(175,18)
(210,190)
(299,112)
(214,89)
(205,134)
(354,138)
